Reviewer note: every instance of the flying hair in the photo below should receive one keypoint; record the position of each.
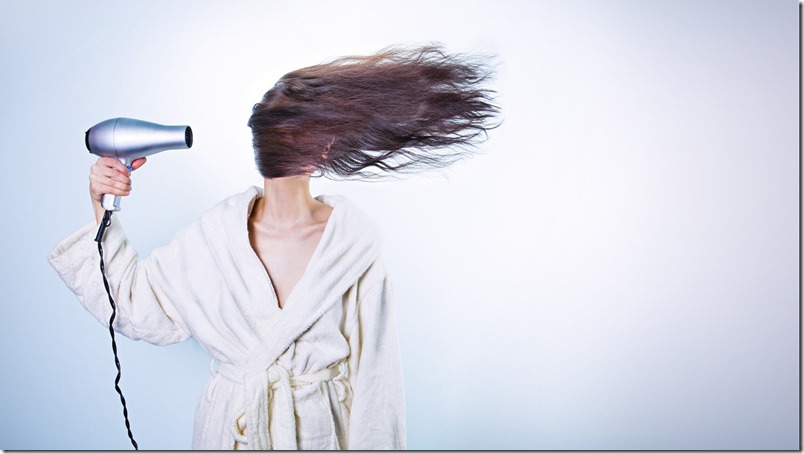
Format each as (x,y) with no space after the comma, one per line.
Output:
(401,110)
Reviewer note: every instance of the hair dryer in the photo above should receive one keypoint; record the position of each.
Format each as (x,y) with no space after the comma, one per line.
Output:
(127,139)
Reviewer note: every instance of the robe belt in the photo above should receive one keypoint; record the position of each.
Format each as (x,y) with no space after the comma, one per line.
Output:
(261,387)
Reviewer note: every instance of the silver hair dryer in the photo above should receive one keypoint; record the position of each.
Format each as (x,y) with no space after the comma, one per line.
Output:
(127,139)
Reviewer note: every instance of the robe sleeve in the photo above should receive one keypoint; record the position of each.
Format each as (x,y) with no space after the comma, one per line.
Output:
(144,307)
(377,416)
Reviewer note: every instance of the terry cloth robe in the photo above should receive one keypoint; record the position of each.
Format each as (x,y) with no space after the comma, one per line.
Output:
(324,372)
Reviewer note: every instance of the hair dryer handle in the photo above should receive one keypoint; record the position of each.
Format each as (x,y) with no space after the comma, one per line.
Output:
(111,202)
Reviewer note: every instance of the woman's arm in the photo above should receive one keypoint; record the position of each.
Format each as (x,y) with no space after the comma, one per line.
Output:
(377,417)
(144,305)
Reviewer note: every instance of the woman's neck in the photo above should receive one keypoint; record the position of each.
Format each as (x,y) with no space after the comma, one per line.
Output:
(286,203)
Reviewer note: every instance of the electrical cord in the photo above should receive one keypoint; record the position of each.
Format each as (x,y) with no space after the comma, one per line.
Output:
(107,220)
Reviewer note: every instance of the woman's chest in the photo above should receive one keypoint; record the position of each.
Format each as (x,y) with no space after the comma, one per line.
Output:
(286,257)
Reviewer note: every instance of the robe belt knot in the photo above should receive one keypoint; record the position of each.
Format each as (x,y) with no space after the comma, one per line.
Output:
(253,426)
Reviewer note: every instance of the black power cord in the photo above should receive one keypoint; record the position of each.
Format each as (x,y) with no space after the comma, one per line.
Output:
(107,219)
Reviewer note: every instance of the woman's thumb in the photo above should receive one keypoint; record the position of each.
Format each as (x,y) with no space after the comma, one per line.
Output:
(137,163)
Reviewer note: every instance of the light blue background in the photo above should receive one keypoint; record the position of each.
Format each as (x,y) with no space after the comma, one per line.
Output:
(617,270)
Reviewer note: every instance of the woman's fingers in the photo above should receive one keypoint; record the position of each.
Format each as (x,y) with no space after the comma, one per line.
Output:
(99,189)
(109,176)
(113,164)
(119,166)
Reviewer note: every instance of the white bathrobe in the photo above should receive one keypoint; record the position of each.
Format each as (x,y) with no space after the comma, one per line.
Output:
(324,372)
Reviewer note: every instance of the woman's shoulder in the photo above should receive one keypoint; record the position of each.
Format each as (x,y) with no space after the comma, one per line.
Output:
(350,217)
(227,215)
(239,204)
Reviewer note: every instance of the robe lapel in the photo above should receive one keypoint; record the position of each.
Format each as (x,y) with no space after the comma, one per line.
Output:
(258,289)
(348,246)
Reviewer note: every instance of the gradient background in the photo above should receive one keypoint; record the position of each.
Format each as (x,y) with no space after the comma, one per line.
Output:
(617,270)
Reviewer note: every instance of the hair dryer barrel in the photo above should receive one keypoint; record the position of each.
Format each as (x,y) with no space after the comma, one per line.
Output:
(127,139)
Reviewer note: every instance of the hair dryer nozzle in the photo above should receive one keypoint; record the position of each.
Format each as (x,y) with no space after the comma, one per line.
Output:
(188,137)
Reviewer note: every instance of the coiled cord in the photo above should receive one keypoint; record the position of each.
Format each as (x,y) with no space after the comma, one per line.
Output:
(107,219)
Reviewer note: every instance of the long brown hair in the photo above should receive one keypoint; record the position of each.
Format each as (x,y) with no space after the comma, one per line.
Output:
(399,110)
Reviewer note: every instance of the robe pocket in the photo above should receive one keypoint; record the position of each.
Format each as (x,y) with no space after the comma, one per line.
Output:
(316,427)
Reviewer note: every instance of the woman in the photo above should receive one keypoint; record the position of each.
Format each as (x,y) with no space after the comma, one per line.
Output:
(288,292)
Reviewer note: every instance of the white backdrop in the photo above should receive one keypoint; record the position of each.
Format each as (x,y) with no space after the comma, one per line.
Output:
(618,269)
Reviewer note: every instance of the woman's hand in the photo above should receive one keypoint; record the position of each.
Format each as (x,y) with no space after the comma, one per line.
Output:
(109,176)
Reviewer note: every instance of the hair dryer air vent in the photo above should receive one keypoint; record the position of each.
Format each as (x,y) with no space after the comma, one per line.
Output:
(188,137)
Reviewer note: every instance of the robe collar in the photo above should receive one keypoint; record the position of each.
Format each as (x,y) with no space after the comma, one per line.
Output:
(349,245)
